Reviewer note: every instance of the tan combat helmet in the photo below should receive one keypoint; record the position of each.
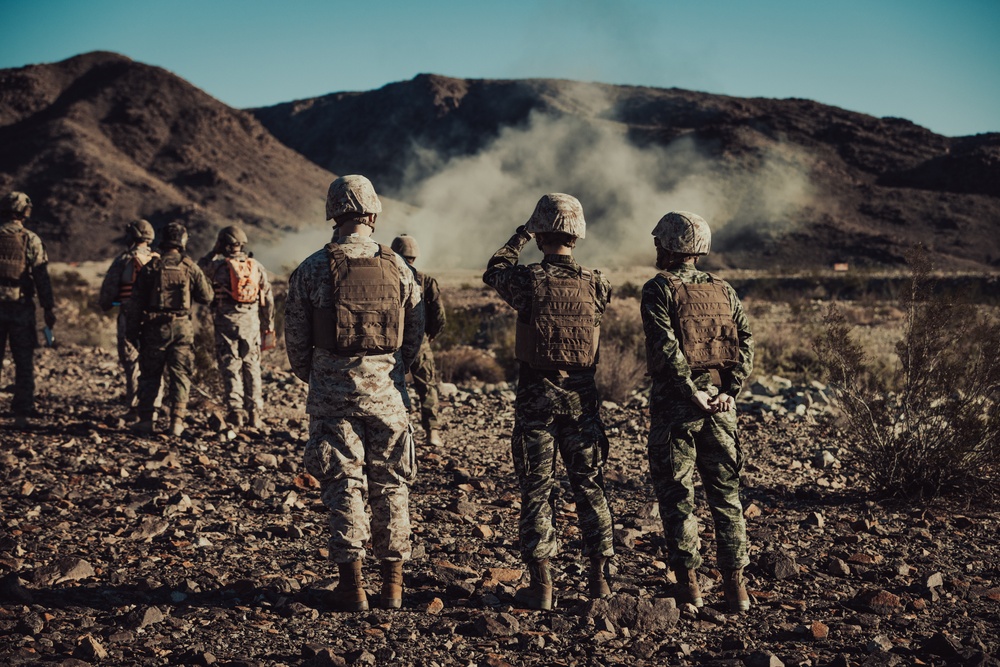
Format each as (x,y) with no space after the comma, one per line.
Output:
(405,246)
(139,231)
(683,233)
(174,236)
(352,194)
(15,205)
(557,212)
(230,236)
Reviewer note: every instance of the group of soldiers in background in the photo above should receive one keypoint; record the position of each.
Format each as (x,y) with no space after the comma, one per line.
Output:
(359,316)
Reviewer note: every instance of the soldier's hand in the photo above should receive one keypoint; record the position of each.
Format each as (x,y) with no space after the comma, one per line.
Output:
(522,230)
(703,401)
(50,318)
(723,403)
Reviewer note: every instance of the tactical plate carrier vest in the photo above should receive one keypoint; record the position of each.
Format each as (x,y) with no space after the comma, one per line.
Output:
(706,330)
(244,284)
(13,263)
(129,273)
(367,311)
(171,286)
(559,333)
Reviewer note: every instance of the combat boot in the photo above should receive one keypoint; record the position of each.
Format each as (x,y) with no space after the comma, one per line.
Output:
(254,420)
(597,586)
(144,426)
(235,418)
(177,426)
(687,583)
(434,438)
(349,595)
(392,584)
(538,594)
(735,590)
(20,422)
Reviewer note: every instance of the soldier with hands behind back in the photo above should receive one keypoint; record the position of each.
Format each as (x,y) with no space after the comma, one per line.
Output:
(559,308)
(353,325)
(24,273)
(243,314)
(423,371)
(699,352)
(164,293)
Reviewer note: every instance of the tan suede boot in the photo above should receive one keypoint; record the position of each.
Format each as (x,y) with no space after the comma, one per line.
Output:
(735,591)
(392,584)
(687,582)
(349,595)
(434,438)
(177,426)
(538,594)
(597,586)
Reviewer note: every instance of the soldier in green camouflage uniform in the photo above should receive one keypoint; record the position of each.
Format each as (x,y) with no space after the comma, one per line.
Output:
(360,440)
(423,371)
(23,273)
(692,412)
(556,409)
(242,311)
(165,291)
(116,290)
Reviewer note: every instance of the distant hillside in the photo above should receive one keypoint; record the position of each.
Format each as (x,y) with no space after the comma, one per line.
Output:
(98,140)
(871,187)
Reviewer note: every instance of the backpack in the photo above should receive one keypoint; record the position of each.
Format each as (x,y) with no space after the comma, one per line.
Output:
(244,283)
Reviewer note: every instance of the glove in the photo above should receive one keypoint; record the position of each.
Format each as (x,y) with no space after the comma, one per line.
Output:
(50,318)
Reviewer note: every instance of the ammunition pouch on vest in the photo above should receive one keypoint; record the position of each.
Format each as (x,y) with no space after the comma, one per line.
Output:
(244,283)
(171,287)
(13,264)
(559,333)
(367,311)
(705,327)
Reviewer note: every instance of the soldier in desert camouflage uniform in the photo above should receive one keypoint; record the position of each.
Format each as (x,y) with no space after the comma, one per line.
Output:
(116,290)
(699,351)
(423,371)
(353,325)
(243,312)
(160,320)
(23,273)
(559,308)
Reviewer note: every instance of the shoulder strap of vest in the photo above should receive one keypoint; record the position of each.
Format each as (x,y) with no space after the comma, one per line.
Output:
(338,259)
(672,280)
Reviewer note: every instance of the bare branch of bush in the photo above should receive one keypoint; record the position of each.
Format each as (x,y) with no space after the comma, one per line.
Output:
(460,364)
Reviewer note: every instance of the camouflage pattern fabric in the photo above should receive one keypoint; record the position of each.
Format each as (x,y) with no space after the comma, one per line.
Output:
(166,339)
(423,370)
(682,437)
(359,434)
(554,412)
(357,458)
(17,317)
(238,329)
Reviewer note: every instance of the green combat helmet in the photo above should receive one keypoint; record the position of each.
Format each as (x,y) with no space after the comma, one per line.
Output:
(683,233)
(15,205)
(405,246)
(174,236)
(231,236)
(351,196)
(139,231)
(557,212)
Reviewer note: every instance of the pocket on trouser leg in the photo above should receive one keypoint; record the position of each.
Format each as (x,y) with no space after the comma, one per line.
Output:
(409,455)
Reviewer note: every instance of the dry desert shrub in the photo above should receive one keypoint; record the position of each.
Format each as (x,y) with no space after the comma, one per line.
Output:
(931,425)
(464,363)
(622,365)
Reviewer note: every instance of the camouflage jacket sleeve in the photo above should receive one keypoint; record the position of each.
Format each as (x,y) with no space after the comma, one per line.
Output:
(512,282)
(413,313)
(299,323)
(111,285)
(201,288)
(603,296)
(266,300)
(664,358)
(38,262)
(733,380)
(433,308)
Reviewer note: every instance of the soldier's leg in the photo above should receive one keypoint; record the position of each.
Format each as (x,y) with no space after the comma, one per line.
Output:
(720,461)
(391,465)
(335,456)
(128,356)
(227,354)
(152,361)
(180,367)
(671,450)
(253,398)
(581,444)
(425,383)
(23,341)
(533,449)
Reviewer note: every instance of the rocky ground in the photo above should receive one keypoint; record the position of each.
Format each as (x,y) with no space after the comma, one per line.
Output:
(210,548)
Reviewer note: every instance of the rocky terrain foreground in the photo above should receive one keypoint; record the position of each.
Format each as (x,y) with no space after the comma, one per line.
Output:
(210,549)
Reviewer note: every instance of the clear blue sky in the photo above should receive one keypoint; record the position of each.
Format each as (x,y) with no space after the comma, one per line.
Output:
(935,62)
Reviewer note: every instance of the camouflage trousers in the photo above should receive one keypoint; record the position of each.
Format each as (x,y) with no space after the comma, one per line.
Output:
(424,377)
(17,324)
(358,459)
(128,356)
(166,348)
(676,447)
(581,442)
(237,350)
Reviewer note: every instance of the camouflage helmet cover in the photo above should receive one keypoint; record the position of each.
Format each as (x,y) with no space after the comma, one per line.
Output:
(684,233)
(231,235)
(351,194)
(405,246)
(557,212)
(15,204)
(139,231)
(174,235)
